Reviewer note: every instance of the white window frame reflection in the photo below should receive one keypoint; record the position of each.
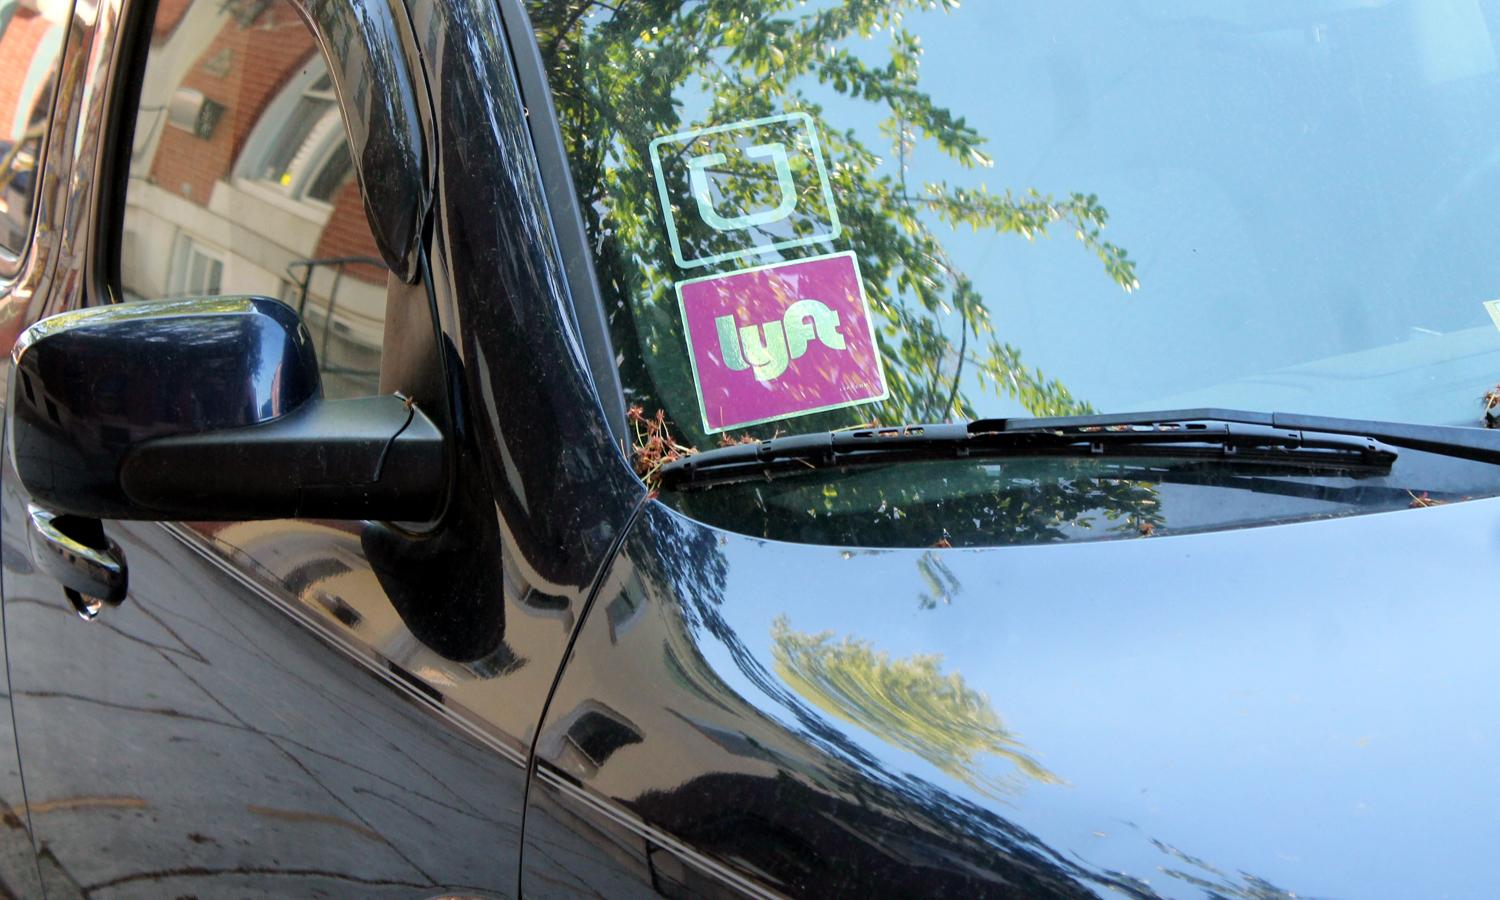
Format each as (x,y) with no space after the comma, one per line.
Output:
(305,111)
(195,258)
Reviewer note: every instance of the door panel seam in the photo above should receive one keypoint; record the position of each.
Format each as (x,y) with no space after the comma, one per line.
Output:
(615,548)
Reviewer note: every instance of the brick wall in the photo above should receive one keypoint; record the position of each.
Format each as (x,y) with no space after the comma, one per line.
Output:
(348,234)
(18,46)
(261,59)
(168,14)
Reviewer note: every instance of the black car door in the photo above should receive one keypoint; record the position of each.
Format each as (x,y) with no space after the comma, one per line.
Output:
(31,51)
(293,707)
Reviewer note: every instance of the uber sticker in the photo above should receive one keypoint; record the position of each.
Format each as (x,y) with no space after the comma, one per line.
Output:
(743,189)
(1493,308)
(781,340)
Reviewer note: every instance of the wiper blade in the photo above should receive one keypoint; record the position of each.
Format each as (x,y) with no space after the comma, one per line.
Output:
(1303,442)
(1478,444)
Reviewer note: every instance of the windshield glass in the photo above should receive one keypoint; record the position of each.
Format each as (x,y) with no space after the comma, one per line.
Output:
(808,214)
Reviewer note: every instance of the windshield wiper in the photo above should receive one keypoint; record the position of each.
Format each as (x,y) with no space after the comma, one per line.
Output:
(1307,443)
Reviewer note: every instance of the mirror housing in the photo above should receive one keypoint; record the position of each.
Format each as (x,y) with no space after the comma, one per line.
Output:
(207,409)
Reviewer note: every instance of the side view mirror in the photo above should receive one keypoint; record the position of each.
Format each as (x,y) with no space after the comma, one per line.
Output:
(205,409)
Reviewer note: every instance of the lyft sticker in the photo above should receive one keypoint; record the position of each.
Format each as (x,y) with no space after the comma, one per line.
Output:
(781,340)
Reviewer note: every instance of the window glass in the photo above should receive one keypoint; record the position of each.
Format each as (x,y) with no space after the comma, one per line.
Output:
(810,214)
(1247,204)
(241,181)
(31,41)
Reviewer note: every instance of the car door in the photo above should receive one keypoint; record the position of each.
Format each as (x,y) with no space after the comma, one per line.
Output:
(32,38)
(294,707)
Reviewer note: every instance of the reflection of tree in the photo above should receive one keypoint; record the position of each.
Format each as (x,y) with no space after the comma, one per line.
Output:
(1034,502)
(830,789)
(619,72)
(877,831)
(1217,884)
(942,584)
(908,702)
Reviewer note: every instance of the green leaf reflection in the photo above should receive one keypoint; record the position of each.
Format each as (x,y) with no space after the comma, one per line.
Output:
(624,72)
(910,703)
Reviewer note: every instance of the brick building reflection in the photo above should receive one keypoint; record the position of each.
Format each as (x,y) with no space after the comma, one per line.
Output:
(31,37)
(242,182)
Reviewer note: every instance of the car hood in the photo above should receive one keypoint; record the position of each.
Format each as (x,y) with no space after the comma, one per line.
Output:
(1305,708)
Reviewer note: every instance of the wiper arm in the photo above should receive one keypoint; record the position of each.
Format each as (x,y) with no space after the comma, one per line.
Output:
(1478,444)
(1304,442)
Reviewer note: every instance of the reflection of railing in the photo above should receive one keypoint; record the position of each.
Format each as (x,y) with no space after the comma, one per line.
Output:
(18,170)
(29,142)
(303,283)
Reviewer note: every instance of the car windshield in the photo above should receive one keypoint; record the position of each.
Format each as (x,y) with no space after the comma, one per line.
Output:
(808,214)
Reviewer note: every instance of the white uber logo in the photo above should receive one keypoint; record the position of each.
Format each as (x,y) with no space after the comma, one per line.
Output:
(744,189)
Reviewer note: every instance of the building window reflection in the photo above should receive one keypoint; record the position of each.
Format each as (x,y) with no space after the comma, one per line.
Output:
(241,181)
(31,37)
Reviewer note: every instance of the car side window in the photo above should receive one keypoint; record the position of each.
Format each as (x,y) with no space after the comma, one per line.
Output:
(31,42)
(241,180)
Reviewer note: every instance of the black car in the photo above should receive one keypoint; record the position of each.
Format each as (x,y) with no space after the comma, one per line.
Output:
(565,448)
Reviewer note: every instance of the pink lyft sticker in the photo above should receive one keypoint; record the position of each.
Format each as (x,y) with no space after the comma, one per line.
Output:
(781,340)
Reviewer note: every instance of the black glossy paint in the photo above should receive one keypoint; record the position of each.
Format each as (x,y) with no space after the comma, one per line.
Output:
(1296,710)
(362,40)
(22,297)
(560,482)
(239,732)
(91,385)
